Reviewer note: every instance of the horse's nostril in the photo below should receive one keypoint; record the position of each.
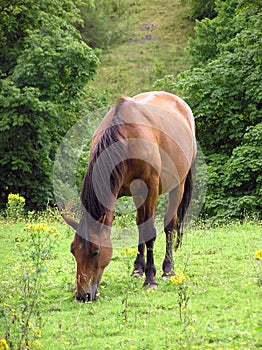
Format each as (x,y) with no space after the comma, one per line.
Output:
(87,296)
(81,298)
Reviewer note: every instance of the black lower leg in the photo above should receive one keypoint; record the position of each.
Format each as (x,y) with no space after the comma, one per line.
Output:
(168,263)
(139,264)
(179,229)
(150,270)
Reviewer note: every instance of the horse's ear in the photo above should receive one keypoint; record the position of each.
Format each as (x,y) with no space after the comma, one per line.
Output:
(102,219)
(71,222)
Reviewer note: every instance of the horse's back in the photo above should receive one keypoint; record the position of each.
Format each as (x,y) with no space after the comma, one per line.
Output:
(172,104)
(173,122)
(160,134)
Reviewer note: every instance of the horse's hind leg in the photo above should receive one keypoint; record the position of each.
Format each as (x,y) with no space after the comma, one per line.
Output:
(171,224)
(149,234)
(139,264)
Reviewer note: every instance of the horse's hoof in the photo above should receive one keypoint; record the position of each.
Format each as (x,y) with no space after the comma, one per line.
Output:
(137,273)
(168,274)
(150,286)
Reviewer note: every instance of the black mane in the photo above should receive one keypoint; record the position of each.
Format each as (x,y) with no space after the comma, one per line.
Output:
(106,169)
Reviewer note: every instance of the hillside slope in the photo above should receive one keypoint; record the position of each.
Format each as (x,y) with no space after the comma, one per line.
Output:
(154,35)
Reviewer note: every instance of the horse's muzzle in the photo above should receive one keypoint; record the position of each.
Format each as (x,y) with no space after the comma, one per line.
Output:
(90,295)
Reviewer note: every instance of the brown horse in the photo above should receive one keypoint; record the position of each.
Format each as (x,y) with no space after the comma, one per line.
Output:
(143,147)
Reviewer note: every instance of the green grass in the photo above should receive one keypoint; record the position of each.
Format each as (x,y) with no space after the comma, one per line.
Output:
(224,290)
(152,40)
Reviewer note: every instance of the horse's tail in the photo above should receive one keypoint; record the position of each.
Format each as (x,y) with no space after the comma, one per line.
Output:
(182,209)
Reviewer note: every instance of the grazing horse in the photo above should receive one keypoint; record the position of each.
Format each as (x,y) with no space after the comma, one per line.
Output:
(143,147)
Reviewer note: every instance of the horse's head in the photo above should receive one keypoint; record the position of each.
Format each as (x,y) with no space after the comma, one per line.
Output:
(92,256)
(91,259)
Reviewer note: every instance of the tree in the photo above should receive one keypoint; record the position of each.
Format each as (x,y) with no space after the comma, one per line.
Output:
(44,66)
(201,8)
(224,90)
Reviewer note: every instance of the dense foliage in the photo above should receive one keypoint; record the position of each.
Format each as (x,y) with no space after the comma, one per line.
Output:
(201,8)
(44,65)
(224,90)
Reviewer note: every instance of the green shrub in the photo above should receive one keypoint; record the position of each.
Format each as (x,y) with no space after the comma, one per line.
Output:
(44,66)
(224,92)
(201,8)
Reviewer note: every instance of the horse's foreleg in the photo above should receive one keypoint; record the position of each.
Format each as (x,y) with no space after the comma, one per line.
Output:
(139,264)
(150,270)
(171,224)
(168,263)
(147,232)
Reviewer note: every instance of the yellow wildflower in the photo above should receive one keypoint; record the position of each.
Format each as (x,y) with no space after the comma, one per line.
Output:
(130,251)
(41,228)
(192,329)
(258,255)
(15,198)
(37,227)
(179,277)
(3,344)
(37,332)
(37,345)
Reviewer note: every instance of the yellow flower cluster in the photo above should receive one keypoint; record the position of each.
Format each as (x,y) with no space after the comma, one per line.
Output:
(41,228)
(179,277)
(37,332)
(15,198)
(35,345)
(258,255)
(3,344)
(130,251)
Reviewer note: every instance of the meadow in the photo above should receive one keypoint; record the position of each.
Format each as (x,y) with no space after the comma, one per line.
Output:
(146,41)
(213,302)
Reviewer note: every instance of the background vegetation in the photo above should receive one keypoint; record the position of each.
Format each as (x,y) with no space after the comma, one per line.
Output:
(49,55)
(223,88)
(44,66)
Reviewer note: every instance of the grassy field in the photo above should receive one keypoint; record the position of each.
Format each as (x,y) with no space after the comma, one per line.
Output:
(215,303)
(153,36)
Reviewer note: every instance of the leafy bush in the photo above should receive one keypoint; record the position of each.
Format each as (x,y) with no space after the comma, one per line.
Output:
(44,65)
(224,91)
(201,8)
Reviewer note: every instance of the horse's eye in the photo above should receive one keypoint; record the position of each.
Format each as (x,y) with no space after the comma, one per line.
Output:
(95,253)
